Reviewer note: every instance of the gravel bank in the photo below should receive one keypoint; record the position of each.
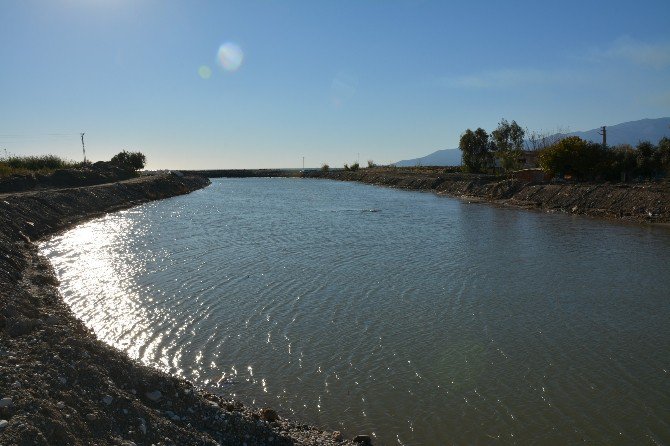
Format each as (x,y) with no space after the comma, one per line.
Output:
(60,385)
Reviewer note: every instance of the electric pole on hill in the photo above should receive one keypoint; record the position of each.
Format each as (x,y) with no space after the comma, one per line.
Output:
(603,131)
(83,147)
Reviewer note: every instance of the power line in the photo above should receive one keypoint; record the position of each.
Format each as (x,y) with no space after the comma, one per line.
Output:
(36,135)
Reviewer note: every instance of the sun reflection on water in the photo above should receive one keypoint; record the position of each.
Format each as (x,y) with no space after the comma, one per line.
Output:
(98,283)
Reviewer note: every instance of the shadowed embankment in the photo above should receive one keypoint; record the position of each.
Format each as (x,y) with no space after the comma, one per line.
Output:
(638,202)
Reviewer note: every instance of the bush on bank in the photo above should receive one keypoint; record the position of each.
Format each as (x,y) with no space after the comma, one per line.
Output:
(36,163)
(129,160)
(13,164)
(585,160)
(47,164)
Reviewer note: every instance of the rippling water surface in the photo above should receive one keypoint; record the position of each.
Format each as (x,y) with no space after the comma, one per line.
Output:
(421,319)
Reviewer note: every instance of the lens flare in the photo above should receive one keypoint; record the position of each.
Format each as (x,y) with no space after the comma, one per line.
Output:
(230,56)
(204,72)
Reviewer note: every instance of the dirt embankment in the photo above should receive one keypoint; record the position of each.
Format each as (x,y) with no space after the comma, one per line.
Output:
(640,202)
(59,385)
(98,173)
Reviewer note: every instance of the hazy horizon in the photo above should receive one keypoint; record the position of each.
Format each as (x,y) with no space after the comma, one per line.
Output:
(262,84)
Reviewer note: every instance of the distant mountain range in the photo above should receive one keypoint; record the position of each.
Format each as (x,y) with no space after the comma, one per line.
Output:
(625,133)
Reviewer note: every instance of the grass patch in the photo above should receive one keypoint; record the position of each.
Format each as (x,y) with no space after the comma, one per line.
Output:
(21,165)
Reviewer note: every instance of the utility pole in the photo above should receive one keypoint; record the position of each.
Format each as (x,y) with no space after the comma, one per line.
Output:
(603,131)
(303,163)
(83,147)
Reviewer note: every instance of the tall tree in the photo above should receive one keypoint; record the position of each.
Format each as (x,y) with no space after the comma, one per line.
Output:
(663,154)
(476,150)
(508,140)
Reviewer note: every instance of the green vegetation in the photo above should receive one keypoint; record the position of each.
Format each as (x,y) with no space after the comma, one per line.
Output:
(481,149)
(13,165)
(584,160)
(476,148)
(508,144)
(129,160)
(46,164)
(325,168)
(570,157)
(354,167)
(371,164)
(573,156)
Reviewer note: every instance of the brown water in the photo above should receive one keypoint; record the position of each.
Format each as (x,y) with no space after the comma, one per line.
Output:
(417,318)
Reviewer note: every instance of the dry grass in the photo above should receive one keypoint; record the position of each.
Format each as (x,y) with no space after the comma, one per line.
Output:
(22,165)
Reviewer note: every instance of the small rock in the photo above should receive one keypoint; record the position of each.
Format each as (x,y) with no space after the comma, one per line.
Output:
(337,436)
(91,417)
(363,439)
(16,385)
(269,414)
(107,400)
(60,405)
(3,424)
(172,415)
(154,396)
(6,402)
(51,320)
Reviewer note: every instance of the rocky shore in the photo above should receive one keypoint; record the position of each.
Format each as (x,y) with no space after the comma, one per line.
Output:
(59,385)
(647,202)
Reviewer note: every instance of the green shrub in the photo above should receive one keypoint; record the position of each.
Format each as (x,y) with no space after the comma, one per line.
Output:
(325,167)
(573,156)
(5,170)
(663,155)
(35,163)
(587,161)
(129,160)
(23,165)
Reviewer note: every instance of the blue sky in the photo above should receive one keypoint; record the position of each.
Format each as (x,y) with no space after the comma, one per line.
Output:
(327,80)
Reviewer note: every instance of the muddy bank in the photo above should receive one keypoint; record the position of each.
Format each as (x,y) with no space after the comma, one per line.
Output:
(60,385)
(639,202)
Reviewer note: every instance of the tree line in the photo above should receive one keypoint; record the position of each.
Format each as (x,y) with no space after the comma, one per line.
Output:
(481,150)
(503,150)
(585,160)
